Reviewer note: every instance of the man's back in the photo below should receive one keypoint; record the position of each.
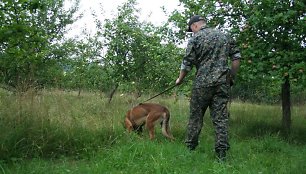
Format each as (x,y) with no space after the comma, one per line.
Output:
(212,49)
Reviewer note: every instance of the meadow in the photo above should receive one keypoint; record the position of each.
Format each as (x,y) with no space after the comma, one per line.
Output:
(60,132)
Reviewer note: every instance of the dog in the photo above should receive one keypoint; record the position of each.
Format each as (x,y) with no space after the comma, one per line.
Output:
(148,114)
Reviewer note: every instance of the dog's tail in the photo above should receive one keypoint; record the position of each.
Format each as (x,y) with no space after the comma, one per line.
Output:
(166,125)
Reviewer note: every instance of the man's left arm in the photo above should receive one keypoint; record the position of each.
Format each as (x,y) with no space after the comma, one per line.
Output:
(235,66)
(235,57)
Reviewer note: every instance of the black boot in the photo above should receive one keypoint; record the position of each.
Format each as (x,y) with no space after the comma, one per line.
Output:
(191,148)
(221,155)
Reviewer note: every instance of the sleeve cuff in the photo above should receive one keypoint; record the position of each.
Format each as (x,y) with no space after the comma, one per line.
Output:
(185,68)
(236,56)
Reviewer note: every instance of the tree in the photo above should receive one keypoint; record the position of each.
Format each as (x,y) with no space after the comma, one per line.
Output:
(271,34)
(135,52)
(31,32)
(119,38)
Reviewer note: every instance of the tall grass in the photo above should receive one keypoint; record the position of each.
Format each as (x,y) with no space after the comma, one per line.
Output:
(61,132)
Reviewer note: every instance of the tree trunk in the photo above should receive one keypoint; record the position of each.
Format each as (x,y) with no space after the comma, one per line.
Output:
(286,106)
(79,93)
(112,93)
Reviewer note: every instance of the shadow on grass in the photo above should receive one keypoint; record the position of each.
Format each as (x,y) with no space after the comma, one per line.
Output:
(261,129)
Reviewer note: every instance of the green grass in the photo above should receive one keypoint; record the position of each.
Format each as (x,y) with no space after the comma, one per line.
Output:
(60,132)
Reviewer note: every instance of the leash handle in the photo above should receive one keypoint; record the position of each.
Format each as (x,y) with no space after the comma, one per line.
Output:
(161,93)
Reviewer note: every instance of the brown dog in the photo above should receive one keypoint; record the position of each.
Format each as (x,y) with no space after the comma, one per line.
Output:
(148,114)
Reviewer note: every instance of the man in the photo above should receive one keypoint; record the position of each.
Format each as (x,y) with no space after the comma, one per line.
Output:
(209,50)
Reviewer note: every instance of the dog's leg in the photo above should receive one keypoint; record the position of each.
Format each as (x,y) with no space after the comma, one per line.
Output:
(128,123)
(165,126)
(151,118)
(150,127)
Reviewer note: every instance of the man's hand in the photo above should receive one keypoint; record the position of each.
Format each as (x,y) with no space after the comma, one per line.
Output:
(182,75)
(178,81)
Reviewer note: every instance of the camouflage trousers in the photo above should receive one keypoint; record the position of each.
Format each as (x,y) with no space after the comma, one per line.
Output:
(216,98)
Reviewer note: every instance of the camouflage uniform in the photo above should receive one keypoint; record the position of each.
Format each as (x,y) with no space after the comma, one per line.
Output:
(209,50)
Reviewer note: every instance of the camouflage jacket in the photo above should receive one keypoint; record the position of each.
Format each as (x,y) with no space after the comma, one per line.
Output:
(209,51)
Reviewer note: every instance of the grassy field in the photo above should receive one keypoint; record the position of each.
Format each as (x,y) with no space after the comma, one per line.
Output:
(61,132)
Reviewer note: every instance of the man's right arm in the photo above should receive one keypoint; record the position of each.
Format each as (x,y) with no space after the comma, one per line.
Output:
(182,75)
(187,63)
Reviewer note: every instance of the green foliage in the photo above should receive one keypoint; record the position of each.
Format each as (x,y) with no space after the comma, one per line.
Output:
(30,36)
(136,56)
(256,90)
(273,38)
